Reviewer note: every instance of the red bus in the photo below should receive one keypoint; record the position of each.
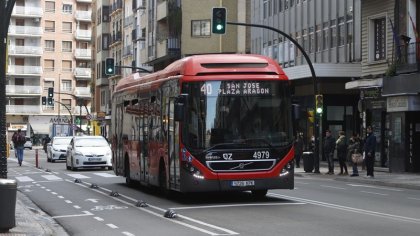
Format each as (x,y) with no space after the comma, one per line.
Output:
(206,123)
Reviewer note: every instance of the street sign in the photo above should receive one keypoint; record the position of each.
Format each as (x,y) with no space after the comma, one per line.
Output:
(89,116)
(74,126)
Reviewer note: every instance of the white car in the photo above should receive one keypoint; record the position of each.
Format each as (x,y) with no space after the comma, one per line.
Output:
(88,151)
(28,143)
(57,148)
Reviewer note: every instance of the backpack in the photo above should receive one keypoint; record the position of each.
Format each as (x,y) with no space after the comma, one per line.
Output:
(19,140)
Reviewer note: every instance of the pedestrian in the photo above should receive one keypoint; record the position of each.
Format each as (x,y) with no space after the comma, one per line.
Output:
(369,149)
(354,148)
(329,146)
(341,146)
(19,142)
(298,148)
(45,141)
(14,144)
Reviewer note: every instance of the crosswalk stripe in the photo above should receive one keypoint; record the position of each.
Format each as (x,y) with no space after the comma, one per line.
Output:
(106,175)
(78,176)
(51,177)
(24,179)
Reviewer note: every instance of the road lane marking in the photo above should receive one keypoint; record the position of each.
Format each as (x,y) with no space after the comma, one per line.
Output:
(128,234)
(60,197)
(98,218)
(237,205)
(51,177)
(106,175)
(328,186)
(112,226)
(53,193)
(413,198)
(346,208)
(382,194)
(376,187)
(86,213)
(76,206)
(78,176)
(68,201)
(226,231)
(24,179)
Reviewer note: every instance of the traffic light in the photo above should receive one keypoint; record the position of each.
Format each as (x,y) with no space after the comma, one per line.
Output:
(219,20)
(44,101)
(50,101)
(50,92)
(319,103)
(109,66)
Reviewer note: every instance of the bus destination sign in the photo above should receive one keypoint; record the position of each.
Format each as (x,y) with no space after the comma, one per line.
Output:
(236,88)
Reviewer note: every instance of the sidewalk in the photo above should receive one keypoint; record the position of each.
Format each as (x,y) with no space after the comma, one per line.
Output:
(382,176)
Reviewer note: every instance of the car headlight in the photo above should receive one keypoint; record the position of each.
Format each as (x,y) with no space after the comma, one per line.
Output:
(55,149)
(77,153)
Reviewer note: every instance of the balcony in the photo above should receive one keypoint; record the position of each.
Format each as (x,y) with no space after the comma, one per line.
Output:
(116,7)
(128,21)
(76,110)
(137,34)
(23,109)
(83,54)
(408,58)
(28,31)
(28,51)
(27,11)
(84,1)
(24,70)
(139,4)
(82,73)
(85,35)
(127,51)
(30,90)
(82,92)
(162,10)
(116,39)
(83,16)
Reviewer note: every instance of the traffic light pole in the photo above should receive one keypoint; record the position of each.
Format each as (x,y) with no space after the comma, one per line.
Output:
(308,60)
(135,67)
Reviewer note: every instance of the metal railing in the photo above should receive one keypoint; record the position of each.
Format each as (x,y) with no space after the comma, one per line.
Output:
(408,58)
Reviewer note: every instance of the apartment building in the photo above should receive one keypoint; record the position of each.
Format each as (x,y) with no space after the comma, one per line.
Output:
(329,32)
(49,47)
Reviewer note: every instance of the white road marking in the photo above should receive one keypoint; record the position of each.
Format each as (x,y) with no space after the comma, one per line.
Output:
(48,190)
(65,216)
(413,198)
(54,193)
(237,205)
(60,197)
(350,209)
(78,176)
(98,218)
(382,194)
(106,175)
(68,201)
(128,234)
(227,231)
(24,179)
(51,177)
(76,206)
(328,186)
(376,187)
(112,226)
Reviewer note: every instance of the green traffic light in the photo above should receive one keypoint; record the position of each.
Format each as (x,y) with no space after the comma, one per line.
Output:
(219,27)
(319,110)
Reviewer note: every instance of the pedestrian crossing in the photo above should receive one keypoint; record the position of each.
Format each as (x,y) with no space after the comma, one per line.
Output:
(53,177)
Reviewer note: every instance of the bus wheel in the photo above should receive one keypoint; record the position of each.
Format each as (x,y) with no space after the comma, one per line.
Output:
(128,180)
(258,194)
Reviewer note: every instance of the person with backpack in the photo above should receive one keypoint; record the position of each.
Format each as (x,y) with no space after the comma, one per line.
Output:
(19,142)
(341,146)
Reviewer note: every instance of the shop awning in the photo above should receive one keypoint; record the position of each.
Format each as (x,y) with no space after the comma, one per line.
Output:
(364,83)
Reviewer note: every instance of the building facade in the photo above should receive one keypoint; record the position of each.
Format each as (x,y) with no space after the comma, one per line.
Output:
(49,47)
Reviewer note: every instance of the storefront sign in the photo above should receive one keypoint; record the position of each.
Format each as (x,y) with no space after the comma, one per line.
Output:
(403,103)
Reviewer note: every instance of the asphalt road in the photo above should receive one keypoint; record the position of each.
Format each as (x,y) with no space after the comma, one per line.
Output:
(317,206)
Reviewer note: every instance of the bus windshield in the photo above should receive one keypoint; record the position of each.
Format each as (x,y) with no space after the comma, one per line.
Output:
(237,114)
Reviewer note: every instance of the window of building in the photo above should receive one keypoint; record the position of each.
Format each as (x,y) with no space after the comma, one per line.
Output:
(379,33)
(200,28)
(98,16)
(105,14)
(333,32)
(265,9)
(349,29)
(48,65)
(49,45)
(270,7)
(49,6)
(49,26)
(325,43)
(106,41)
(286,4)
(341,34)
(318,38)
(66,66)
(48,84)
(67,27)
(66,46)
(275,7)
(66,85)
(67,8)
(66,104)
(103,98)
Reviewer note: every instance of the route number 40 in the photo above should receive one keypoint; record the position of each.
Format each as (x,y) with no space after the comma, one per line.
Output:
(206,89)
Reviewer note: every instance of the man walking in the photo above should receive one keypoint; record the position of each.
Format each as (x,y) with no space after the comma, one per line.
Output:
(329,146)
(369,149)
(19,142)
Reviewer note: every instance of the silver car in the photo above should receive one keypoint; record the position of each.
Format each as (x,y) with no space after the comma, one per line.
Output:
(57,148)
(88,151)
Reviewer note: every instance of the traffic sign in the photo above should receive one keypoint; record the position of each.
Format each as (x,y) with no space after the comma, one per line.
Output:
(89,116)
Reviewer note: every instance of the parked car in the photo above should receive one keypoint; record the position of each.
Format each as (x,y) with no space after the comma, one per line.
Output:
(57,148)
(28,143)
(88,151)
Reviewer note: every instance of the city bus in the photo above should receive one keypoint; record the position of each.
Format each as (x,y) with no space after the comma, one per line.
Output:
(205,123)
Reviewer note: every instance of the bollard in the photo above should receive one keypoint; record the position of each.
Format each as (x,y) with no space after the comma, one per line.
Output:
(36,158)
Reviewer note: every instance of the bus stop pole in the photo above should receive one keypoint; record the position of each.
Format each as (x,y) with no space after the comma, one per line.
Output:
(36,158)
(315,88)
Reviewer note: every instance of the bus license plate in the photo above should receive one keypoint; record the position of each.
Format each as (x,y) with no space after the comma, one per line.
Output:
(243,183)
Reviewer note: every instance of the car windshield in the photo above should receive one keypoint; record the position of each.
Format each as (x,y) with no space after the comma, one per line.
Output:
(62,141)
(91,142)
(237,114)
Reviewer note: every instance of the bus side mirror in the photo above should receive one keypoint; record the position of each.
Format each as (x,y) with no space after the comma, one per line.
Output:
(179,107)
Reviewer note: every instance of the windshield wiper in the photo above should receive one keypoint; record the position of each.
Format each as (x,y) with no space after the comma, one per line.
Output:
(218,145)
